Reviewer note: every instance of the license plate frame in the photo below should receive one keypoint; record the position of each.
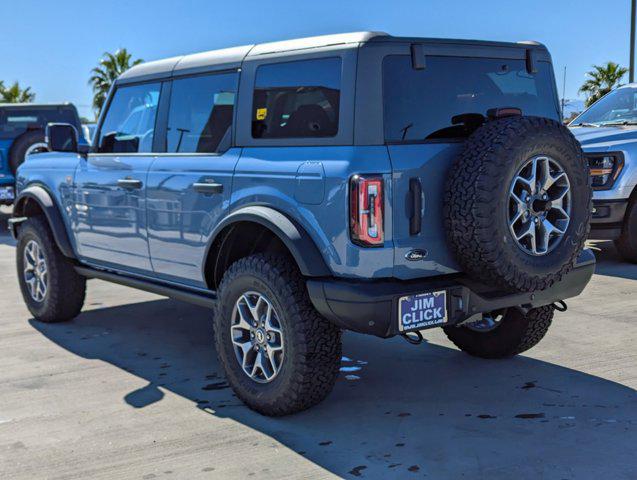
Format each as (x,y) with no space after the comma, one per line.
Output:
(422,310)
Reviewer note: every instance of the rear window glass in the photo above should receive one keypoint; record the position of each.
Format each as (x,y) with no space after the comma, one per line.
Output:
(421,104)
(297,99)
(14,121)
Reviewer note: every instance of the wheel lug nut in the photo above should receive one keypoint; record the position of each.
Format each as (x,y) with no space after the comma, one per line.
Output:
(256,348)
(269,337)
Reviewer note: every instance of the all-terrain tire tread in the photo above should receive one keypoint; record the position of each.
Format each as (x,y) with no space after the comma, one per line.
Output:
(537,322)
(66,289)
(470,201)
(317,362)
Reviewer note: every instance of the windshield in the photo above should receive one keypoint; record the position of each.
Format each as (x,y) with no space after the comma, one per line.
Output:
(619,107)
(451,96)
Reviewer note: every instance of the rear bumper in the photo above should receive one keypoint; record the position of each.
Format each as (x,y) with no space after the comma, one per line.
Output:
(372,307)
(607,219)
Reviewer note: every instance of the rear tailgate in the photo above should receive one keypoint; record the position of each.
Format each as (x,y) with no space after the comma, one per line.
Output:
(426,164)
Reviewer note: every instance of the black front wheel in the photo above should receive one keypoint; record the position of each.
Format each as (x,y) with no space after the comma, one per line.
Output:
(51,288)
(280,356)
(627,242)
(502,334)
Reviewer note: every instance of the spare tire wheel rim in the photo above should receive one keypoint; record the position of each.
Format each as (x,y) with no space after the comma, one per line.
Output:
(257,337)
(35,271)
(38,147)
(539,205)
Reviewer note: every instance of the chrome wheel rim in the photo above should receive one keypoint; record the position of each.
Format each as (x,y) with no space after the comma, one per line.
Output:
(488,322)
(539,207)
(257,337)
(36,148)
(35,271)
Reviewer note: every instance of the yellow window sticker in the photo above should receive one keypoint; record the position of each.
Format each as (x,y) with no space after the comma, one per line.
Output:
(262,113)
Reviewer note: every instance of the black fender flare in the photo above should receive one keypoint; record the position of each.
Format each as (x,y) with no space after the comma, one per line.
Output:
(291,233)
(43,198)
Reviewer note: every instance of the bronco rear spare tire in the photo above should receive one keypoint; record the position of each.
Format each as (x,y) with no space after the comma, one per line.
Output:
(518,203)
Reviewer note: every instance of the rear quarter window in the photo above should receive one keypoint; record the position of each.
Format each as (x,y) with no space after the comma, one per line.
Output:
(419,105)
(298,99)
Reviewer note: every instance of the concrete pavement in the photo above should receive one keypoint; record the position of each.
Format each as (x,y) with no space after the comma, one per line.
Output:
(132,389)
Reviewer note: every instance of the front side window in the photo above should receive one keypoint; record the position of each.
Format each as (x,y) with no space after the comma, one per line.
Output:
(200,116)
(129,125)
(451,96)
(297,99)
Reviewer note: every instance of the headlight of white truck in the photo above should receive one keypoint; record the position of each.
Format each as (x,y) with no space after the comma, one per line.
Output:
(605,168)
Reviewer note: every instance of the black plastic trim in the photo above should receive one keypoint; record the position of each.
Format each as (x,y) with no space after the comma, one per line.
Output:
(296,239)
(606,212)
(197,298)
(44,199)
(372,307)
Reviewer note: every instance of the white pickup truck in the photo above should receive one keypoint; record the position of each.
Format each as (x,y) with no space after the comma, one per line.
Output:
(607,132)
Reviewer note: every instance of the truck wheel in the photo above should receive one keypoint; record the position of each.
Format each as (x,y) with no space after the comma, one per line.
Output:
(502,334)
(627,243)
(51,288)
(518,203)
(26,144)
(280,356)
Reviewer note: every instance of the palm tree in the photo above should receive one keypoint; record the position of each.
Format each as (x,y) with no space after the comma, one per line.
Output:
(111,66)
(603,79)
(15,94)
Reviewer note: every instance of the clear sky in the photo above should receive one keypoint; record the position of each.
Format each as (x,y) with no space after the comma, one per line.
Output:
(52,46)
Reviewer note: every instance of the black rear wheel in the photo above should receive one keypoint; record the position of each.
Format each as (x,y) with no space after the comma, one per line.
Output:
(280,356)
(502,334)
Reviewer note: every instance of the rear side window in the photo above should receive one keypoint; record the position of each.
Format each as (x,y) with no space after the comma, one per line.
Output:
(129,125)
(297,99)
(448,98)
(200,116)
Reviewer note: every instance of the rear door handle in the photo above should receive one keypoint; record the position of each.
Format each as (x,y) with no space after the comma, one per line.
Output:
(129,183)
(208,188)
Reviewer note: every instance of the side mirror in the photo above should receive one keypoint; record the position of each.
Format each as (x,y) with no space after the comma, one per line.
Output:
(62,137)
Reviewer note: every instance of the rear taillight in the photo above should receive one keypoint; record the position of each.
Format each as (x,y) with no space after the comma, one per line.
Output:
(366,210)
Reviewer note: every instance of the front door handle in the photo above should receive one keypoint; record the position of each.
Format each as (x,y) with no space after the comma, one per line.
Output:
(129,183)
(207,188)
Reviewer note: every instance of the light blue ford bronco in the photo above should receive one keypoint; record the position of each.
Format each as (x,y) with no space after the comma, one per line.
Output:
(359,181)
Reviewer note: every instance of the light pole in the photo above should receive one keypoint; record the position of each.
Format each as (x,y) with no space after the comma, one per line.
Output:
(631,72)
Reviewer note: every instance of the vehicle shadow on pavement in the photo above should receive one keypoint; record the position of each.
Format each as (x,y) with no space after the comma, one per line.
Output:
(397,411)
(610,263)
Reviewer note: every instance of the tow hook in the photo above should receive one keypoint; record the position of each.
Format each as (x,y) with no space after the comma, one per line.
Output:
(560,306)
(415,338)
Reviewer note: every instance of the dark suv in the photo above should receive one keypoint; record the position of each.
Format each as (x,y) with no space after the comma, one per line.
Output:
(360,181)
(22,133)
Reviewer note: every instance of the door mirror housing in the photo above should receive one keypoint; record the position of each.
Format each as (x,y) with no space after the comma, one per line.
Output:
(62,137)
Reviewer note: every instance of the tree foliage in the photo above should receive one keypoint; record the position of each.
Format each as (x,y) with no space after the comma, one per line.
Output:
(602,79)
(111,66)
(15,94)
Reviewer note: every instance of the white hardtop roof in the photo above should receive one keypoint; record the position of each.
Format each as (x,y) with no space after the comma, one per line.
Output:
(232,57)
